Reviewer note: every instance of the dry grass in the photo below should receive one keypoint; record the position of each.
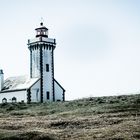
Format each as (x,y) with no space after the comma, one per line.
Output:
(104,118)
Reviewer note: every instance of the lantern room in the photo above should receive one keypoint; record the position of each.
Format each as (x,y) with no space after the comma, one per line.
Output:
(41,31)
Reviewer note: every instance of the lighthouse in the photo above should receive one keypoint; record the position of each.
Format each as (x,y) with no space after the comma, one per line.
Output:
(42,62)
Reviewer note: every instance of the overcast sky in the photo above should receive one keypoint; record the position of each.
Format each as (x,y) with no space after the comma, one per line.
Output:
(98,45)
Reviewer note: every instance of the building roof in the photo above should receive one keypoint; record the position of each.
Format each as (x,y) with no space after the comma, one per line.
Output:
(59,85)
(41,27)
(18,83)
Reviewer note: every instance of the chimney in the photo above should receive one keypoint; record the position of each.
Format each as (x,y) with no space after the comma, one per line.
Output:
(1,79)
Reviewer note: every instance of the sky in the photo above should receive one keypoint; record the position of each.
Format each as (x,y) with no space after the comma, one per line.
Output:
(98,45)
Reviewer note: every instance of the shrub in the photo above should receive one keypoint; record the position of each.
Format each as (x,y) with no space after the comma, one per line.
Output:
(10,107)
(100,100)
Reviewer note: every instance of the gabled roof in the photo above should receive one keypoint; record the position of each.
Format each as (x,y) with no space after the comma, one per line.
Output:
(59,85)
(18,83)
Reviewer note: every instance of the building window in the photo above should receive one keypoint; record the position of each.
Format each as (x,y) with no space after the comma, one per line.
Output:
(14,100)
(4,100)
(37,94)
(47,67)
(48,95)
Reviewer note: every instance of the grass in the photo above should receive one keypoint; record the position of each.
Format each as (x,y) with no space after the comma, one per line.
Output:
(107,118)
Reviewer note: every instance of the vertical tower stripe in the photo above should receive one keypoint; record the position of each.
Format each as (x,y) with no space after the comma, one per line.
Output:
(30,62)
(41,74)
(53,74)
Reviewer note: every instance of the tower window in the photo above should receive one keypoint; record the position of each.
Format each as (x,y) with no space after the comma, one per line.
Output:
(48,95)
(37,94)
(47,67)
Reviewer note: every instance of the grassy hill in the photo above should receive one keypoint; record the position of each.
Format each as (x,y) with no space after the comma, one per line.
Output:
(100,118)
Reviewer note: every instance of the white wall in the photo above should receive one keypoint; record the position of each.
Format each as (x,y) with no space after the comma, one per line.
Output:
(58,92)
(1,81)
(35,92)
(35,62)
(47,76)
(20,96)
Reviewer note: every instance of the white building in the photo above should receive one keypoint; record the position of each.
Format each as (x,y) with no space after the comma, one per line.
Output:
(41,85)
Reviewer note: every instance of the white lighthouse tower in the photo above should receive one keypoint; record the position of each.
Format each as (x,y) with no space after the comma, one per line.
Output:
(42,62)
